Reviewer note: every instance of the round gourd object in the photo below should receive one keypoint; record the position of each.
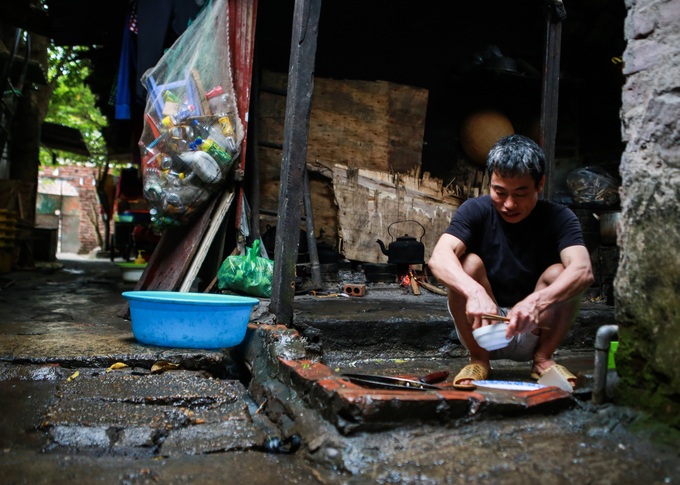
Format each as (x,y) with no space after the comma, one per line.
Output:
(480,130)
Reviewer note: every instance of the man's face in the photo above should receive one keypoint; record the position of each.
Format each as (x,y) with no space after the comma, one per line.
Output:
(514,197)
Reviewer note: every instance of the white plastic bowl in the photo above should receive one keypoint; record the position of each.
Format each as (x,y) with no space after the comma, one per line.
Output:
(492,337)
(131,272)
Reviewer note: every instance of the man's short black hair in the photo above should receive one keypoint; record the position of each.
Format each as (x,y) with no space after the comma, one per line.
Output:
(516,156)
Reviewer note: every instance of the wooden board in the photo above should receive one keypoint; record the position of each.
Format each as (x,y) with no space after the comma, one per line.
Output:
(350,124)
(220,213)
(378,125)
(375,125)
(406,112)
(17,196)
(174,253)
(369,201)
(323,201)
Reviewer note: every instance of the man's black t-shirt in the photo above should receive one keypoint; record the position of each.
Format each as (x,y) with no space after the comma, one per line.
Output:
(515,255)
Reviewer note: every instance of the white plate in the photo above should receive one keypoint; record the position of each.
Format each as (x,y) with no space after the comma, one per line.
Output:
(508,385)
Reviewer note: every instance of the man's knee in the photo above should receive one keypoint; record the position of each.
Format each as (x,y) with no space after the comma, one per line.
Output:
(550,275)
(473,266)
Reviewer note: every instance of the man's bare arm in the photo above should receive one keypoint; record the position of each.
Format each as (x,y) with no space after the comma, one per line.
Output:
(574,280)
(576,277)
(446,266)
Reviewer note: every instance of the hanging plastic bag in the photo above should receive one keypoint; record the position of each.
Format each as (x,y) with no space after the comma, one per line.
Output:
(593,185)
(192,132)
(248,273)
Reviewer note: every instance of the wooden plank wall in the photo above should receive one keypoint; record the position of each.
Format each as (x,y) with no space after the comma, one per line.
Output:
(364,157)
(370,201)
(363,124)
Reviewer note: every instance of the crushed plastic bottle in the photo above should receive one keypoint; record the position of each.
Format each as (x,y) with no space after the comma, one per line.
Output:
(218,101)
(214,150)
(153,190)
(203,165)
(211,129)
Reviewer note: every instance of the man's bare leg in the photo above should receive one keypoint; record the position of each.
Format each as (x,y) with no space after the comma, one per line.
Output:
(474,267)
(558,318)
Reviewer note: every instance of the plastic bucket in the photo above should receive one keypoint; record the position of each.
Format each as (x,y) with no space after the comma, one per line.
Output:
(190,320)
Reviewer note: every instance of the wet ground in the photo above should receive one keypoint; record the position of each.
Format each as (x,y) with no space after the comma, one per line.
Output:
(65,419)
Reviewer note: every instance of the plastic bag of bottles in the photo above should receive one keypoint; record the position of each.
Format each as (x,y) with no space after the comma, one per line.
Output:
(249,273)
(192,132)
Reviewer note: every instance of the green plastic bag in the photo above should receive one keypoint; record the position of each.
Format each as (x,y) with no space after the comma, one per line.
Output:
(250,273)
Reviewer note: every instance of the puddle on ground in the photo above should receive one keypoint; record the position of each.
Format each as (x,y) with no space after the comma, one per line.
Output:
(414,366)
(73,271)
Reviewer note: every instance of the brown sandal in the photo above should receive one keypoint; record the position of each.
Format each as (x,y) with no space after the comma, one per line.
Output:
(474,372)
(563,371)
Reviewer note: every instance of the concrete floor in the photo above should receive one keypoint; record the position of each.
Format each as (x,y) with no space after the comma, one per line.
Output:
(65,418)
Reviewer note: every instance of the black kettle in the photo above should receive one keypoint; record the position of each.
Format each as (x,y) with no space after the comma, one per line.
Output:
(406,249)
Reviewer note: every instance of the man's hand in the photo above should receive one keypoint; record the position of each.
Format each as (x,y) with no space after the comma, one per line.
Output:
(477,305)
(558,284)
(445,264)
(523,316)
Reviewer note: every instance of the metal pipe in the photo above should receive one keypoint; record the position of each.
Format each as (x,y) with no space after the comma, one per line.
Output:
(603,339)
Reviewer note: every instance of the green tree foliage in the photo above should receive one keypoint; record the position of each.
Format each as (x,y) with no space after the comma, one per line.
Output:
(73,104)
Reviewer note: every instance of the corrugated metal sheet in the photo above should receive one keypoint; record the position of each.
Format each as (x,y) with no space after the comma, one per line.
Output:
(65,138)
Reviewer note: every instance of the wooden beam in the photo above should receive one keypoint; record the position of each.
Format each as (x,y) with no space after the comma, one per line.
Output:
(555,14)
(296,132)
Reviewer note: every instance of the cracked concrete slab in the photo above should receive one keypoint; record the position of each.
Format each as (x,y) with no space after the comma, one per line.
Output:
(178,412)
(72,344)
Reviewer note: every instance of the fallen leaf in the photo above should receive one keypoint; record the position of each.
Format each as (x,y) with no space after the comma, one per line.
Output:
(117,365)
(73,376)
(162,366)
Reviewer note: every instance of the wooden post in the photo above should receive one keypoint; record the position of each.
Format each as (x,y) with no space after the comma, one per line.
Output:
(550,92)
(311,234)
(254,157)
(295,135)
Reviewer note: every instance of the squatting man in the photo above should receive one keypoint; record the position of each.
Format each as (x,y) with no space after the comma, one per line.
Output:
(511,253)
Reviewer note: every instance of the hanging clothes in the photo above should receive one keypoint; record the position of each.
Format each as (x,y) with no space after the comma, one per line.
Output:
(159,24)
(124,73)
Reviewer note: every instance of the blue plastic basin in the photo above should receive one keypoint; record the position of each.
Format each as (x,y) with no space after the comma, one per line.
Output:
(191,320)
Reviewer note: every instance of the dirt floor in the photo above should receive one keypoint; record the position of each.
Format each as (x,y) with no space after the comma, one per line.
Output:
(202,425)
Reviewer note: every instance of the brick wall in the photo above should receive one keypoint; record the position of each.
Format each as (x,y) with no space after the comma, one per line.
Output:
(83,179)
